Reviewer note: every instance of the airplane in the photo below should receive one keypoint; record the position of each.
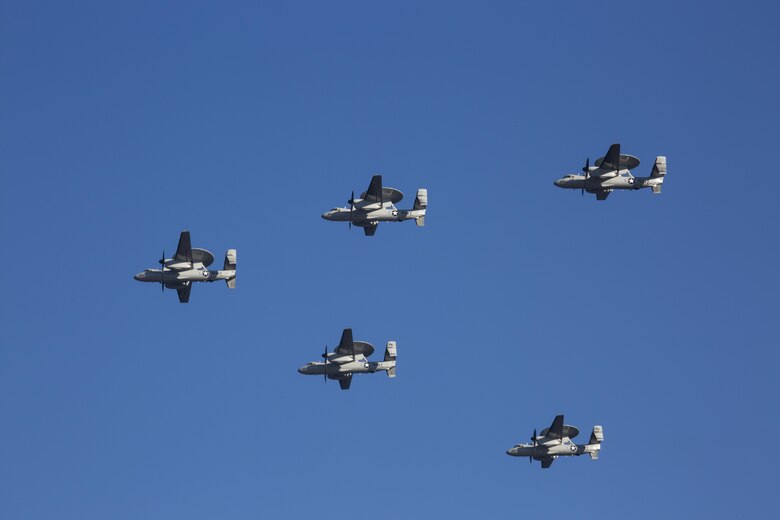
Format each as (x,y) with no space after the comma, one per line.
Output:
(349,358)
(377,204)
(189,265)
(555,441)
(613,172)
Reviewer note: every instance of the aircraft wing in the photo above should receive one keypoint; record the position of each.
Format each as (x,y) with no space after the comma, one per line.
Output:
(345,382)
(183,290)
(370,229)
(602,195)
(546,463)
(374,192)
(609,165)
(184,249)
(555,431)
(346,345)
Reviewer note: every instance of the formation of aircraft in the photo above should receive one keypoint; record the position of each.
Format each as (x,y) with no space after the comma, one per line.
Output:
(377,204)
(613,172)
(189,265)
(351,357)
(556,441)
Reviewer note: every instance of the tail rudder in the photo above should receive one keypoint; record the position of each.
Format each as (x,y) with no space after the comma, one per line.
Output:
(230,265)
(596,437)
(390,355)
(658,173)
(421,200)
(421,203)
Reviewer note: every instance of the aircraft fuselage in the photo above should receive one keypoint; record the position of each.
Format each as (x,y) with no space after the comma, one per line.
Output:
(556,448)
(597,184)
(183,276)
(337,370)
(359,216)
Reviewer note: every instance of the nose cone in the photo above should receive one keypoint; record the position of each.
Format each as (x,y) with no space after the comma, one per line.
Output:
(558,183)
(510,451)
(326,215)
(139,277)
(302,370)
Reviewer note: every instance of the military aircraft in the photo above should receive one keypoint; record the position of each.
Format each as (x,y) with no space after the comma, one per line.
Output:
(613,172)
(349,358)
(555,441)
(376,205)
(189,265)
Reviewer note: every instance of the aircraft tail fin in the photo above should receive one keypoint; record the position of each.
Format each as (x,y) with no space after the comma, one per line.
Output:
(390,355)
(421,203)
(659,168)
(421,200)
(230,265)
(597,436)
(594,455)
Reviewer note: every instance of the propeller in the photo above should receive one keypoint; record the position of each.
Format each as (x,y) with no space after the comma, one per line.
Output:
(533,441)
(586,169)
(351,208)
(325,355)
(162,271)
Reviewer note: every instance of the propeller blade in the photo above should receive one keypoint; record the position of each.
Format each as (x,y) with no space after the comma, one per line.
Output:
(586,169)
(534,437)
(325,355)
(351,208)
(162,271)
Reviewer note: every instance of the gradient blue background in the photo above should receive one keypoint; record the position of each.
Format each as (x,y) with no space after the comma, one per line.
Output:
(656,316)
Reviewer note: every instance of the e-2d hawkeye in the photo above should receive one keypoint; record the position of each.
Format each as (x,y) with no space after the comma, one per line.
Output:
(377,204)
(189,265)
(349,358)
(613,172)
(556,441)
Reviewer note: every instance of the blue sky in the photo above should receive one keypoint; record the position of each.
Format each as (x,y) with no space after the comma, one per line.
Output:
(122,124)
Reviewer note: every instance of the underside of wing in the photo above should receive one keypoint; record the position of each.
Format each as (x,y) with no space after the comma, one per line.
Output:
(184,249)
(345,382)
(546,463)
(602,195)
(183,290)
(370,229)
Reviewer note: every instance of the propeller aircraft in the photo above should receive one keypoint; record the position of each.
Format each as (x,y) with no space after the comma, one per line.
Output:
(350,357)
(555,441)
(377,204)
(613,172)
(189,265)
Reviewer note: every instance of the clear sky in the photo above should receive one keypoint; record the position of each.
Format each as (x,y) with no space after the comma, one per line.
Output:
(654,315)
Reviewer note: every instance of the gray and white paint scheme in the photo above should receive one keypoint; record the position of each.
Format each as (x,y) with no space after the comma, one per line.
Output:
(613,172)
(556,441)
(189,265)
(377,204)
(351,357)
